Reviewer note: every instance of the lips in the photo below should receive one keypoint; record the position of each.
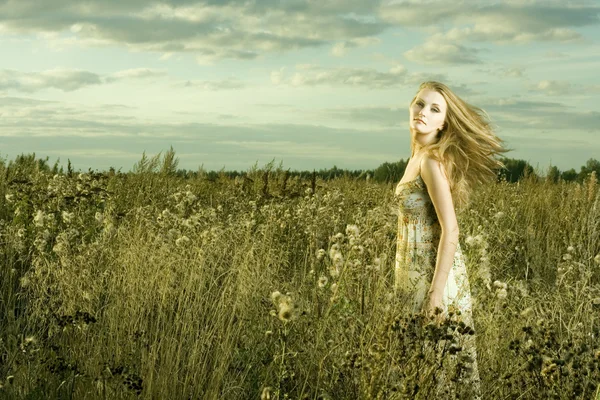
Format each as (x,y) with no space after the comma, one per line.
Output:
(420,120)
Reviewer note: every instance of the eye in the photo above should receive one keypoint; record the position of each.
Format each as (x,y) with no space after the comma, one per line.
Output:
(436,110)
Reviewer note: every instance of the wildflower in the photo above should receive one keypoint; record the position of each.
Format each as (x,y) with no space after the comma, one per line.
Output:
(499,215)
(470,240)
(322,281)
(570,249)
(479,238)
(338,259)
(360,249)
(30,339)
(501,293)
(67,217)
(597,258)
(499,285)
(285,311)
(99,217)
(334,287)
(567,257)
(335,248)
(38,220)
(352,230)
(9,197)
(275,296)
(286,308)
(320,254)
(338,236)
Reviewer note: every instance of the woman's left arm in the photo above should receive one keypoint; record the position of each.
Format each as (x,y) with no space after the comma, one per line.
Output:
(438,187)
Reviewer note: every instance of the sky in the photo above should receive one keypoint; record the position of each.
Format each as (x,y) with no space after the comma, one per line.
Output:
(308,84)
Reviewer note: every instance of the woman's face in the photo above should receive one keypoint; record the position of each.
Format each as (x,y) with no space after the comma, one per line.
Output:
(430,107)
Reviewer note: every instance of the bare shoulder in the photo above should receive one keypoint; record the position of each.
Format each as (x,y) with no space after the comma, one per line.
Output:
(438,187)
(432,171)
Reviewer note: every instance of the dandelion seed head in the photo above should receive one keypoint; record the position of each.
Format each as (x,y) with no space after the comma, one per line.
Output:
(352,230)
(320,254)
(275,296)
(499,285)
(39,218)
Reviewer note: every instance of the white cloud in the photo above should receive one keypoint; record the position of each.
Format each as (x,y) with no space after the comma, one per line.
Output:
(439,52)
(396,76)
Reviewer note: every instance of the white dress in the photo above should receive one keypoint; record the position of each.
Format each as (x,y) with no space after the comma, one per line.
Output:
(417,244)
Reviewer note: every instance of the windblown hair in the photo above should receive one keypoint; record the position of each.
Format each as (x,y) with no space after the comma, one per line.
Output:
(466,145)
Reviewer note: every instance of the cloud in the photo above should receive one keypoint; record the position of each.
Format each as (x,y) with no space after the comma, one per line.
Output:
(501,23)
(135,73)
(224,84)
(340,49)
(371,78)
(551,116)
(442,53)
(69,80)
(211,30)
(61,79)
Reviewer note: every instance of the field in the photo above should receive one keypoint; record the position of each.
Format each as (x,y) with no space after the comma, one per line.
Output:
(149,285)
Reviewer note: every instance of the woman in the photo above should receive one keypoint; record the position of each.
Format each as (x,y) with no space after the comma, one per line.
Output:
(451,152)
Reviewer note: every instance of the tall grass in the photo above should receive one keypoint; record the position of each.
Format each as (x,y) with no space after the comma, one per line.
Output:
(146,285)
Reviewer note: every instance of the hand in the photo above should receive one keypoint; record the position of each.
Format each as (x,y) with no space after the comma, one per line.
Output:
(430,304)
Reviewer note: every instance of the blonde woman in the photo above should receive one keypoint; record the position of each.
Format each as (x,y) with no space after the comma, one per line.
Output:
(452,145)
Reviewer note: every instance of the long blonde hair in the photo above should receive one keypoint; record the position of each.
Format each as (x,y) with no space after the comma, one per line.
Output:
(466,145)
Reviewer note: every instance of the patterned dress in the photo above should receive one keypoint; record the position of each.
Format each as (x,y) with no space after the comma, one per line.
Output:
(418,239)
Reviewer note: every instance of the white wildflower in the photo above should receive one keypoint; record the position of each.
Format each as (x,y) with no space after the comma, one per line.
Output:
(335,248)
(479,238)
(570,249)
(99,217)
(320,254)
(499,215)
(470,240)
(500,285)
(9,197)
(352,230)
(67,217)
(501,293)
(338,259)
(567,257)
(38,220)
(597,258)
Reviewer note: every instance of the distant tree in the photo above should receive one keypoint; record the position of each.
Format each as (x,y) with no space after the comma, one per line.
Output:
(569,175)
(590,165)
(515,169)
(389,172)
(553,174)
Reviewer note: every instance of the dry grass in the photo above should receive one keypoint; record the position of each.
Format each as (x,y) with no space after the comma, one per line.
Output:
(116,287)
